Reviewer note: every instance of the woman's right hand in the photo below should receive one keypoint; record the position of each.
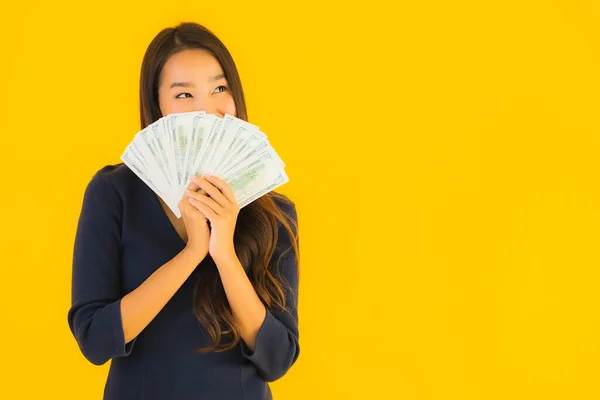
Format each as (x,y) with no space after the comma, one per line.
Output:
(196,226)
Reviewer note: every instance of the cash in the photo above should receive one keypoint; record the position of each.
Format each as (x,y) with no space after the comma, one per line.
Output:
(167,153)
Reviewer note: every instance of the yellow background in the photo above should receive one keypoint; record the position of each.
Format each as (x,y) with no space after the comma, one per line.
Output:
(442,155)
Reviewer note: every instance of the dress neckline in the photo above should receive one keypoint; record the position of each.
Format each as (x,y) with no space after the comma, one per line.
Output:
(164,218)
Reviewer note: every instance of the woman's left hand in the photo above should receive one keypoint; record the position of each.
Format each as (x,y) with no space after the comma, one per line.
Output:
(219,206)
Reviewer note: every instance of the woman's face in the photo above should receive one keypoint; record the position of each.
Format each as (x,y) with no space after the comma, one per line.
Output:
(192,80)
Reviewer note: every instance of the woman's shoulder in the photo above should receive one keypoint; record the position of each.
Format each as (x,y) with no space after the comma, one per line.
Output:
(114,173)
(117,176)
(117,179)
(285,204)
(288,209)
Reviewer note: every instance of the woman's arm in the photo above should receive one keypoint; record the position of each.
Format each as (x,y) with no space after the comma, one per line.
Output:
(248,310)
(275,346)
(270,336)
(139,307)
(271,343)
(104,323)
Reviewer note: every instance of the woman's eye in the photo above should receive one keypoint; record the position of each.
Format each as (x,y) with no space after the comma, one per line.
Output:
(181,94)
(223,87)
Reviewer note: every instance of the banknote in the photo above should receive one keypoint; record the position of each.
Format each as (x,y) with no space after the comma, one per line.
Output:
(165,154)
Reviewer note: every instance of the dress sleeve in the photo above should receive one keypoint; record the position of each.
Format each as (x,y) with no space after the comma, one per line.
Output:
(277,348)
(95,314)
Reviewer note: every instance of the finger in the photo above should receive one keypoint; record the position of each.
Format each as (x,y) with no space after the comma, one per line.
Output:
(184,205)
(207,201)
(204,209)
(193,186)
(222,186)
(183,202)
(212,191)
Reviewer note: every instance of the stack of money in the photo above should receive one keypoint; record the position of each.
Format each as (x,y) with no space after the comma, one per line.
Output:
(165,154)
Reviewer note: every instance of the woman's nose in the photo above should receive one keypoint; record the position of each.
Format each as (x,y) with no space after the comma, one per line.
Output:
(204,104)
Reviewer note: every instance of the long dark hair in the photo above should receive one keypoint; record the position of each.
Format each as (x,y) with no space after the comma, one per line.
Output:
(259,223)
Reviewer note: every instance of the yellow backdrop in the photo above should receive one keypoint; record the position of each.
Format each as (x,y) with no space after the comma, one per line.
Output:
(442,155)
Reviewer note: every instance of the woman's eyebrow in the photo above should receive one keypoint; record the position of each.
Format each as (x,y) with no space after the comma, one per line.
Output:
(181,84)
(190,84)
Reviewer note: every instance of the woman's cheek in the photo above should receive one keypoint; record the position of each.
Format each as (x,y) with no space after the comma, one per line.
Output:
(230,105)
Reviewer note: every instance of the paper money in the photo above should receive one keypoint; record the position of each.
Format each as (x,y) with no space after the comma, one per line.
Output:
(166,153)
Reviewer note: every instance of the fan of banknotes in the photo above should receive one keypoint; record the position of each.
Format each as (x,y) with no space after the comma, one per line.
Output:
(165,154)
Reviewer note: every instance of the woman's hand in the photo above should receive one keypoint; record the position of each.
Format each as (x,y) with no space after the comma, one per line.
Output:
(217,203)
(196,226)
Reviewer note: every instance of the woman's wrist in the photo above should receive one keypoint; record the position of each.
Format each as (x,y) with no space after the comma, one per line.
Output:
(192,255)
(228,261)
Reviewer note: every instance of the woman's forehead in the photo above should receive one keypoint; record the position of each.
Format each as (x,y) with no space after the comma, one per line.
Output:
(193,61)
(189,67)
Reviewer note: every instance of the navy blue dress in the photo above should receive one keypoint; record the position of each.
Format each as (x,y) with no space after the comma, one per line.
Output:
(123,236)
